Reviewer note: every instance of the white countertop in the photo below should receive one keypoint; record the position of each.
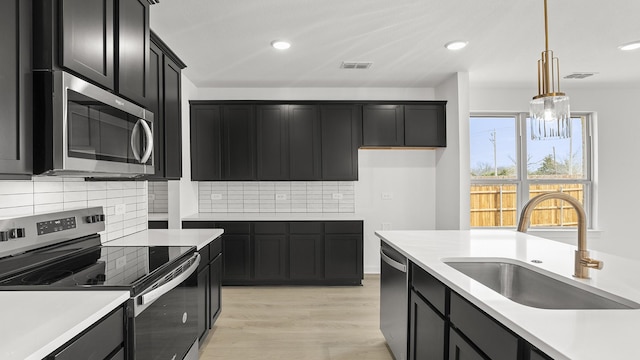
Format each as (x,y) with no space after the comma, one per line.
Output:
(36,323)
(274,217)
(171,237)
(562,334)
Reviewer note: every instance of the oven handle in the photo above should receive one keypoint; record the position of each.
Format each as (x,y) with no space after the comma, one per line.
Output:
(145,300)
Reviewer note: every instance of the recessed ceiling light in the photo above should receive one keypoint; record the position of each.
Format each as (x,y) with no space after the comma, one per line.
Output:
(280,44)
(456,45)
(630,46)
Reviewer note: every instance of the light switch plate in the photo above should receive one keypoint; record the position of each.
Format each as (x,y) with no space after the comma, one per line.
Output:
(281,196)
(216,196)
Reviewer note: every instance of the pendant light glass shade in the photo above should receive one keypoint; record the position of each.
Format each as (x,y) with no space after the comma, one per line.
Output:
(549,112)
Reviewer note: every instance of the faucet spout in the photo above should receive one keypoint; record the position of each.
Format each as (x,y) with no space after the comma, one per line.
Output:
(582,260)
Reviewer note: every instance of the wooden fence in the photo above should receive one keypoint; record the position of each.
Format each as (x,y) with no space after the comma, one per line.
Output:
(495,205)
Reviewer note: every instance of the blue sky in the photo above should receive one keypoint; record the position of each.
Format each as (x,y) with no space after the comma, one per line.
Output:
(480,135)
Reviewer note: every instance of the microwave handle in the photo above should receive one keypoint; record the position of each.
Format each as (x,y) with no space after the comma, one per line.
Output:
(134,136)
(149,135)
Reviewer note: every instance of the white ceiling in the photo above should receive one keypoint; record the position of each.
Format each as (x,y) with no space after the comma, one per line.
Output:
(226,43)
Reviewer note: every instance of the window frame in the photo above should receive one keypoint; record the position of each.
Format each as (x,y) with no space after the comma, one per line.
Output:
(521,180)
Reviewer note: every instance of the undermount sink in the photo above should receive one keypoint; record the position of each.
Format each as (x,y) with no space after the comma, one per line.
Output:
(532,288)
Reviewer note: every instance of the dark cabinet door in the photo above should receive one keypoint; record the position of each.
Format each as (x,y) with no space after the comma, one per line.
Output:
(203,303)
(426,330)
(172,114)
(239,142)
(304,143)
(343,257)
(305,257)
(206,142)
(383,125)
(154,101)
(270,254)
(133,50)
(215,296)
(341,137)
(236,255)
(15,87)
(85,22)
(272,134)
(425,125)
(459,349)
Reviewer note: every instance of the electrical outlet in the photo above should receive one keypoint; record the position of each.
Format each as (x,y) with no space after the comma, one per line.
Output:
(336,196)
(387,196)
(216,196)
(386,226)
(152,197)
(281,196)
(121,209)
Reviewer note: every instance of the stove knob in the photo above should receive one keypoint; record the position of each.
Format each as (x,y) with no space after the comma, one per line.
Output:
(17,233)
(4,235)
(89,219)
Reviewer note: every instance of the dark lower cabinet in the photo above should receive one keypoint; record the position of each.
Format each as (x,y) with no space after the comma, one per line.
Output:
(427,329)
(270,254)
(289,253)
(236,254)
(203,304)
(103,340)
(459,349)
(15,87)
(215,282)
(158,224)
(444,325)
(209,282)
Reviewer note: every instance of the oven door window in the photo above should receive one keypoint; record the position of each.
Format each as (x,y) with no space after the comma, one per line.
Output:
(101,132)
(168,328)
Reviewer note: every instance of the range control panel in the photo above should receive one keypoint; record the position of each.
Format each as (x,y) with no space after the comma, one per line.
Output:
(50,226)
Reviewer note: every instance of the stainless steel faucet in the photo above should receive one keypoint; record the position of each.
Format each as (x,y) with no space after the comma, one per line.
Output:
(582,260)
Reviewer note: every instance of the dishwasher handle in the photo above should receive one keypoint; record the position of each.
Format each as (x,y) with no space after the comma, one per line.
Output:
(394,264)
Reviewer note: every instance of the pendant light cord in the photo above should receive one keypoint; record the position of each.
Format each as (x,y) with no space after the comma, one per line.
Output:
(546,28)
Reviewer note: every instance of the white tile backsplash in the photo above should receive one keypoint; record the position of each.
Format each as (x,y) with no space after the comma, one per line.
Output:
(260,196)
(51,194)
(159,202)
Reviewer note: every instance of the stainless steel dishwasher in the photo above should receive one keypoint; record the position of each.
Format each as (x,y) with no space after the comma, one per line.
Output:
(394,300)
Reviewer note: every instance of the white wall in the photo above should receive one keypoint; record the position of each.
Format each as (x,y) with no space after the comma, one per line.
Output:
(410,176)
(452,196)
(617,132)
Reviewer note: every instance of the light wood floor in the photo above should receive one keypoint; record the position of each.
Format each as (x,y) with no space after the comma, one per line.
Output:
(327,323)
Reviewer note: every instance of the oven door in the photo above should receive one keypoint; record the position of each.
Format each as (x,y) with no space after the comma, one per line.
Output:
(165,323)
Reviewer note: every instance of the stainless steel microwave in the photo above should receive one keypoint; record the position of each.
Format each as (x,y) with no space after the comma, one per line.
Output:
(83,130)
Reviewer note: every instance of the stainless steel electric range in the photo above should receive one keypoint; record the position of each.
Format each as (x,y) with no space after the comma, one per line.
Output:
(63,251)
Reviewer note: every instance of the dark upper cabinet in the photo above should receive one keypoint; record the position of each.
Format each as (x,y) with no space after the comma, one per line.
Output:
(305,158)
(164,100)
(87,39)
(341,137)
(107,42)
(172,114)
(288,142)
(15,87)
(408,125)
(425,125)
(239,142)
(206,142)
(383,125)
(272,142)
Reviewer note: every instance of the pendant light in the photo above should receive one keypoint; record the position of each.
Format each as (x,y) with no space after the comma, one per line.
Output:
(550,117)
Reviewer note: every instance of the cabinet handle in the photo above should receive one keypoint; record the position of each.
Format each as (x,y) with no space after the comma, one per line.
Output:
(394,264)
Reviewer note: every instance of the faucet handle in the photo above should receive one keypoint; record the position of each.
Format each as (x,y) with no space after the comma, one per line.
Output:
(592,263)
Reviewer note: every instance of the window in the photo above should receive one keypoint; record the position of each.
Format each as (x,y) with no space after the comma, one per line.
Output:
(508,169)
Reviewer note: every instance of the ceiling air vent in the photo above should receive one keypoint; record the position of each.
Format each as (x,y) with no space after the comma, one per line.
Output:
(581,75)
(356,64)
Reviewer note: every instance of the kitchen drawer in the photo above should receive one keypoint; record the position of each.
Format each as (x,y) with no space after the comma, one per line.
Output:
(343,227)
(305,227)
(98,342)
(215,248)
(271,227)
(239,227)
(489,336)
(429,288)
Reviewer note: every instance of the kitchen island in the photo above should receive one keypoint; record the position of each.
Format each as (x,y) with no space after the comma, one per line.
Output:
(560,334)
